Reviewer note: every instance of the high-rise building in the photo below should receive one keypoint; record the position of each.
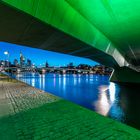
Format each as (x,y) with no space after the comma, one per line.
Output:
(5,63)
(47,64)
(29,63)
(16,62)
(2,63)
(22,60)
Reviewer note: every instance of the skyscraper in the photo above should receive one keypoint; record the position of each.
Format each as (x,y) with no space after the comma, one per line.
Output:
(16,62)
(29,63)
(46,65)
(22,60)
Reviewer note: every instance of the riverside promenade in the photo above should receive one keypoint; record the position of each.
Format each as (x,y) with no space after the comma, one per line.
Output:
(27,113)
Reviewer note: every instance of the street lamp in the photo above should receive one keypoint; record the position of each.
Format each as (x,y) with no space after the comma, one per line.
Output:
(7,53)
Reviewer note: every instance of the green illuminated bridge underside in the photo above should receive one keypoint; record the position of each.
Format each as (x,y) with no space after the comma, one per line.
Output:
(104,30)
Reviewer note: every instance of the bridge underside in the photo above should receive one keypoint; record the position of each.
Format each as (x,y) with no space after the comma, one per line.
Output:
(20,28)
(125,75)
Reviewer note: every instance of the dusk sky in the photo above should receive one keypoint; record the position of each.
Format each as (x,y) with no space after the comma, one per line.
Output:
(40,56)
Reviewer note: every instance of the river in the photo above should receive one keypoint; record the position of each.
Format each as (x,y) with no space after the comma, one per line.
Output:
(94,92)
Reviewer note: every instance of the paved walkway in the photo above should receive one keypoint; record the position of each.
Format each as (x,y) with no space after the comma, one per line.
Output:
(27,113)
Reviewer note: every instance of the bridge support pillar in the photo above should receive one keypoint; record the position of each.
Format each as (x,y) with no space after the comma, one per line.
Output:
(125,75)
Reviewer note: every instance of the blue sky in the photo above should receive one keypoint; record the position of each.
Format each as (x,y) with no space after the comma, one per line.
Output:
(40,56)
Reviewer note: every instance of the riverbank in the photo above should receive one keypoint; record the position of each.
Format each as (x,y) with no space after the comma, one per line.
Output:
(28,113)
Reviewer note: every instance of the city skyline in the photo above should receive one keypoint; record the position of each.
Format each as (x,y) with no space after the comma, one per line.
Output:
(40,56)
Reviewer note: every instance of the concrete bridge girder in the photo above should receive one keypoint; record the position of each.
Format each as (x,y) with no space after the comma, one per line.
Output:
(91,35)
(91,42)
(125,75)
(23,29)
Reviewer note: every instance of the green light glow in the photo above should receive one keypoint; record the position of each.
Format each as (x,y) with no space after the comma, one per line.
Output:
(62,15)
(95,22)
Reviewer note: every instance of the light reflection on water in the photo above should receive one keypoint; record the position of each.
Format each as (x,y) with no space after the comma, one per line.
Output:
(94,92)
(102,105)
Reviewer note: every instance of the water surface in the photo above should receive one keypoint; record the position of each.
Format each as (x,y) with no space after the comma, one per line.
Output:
(94,92)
